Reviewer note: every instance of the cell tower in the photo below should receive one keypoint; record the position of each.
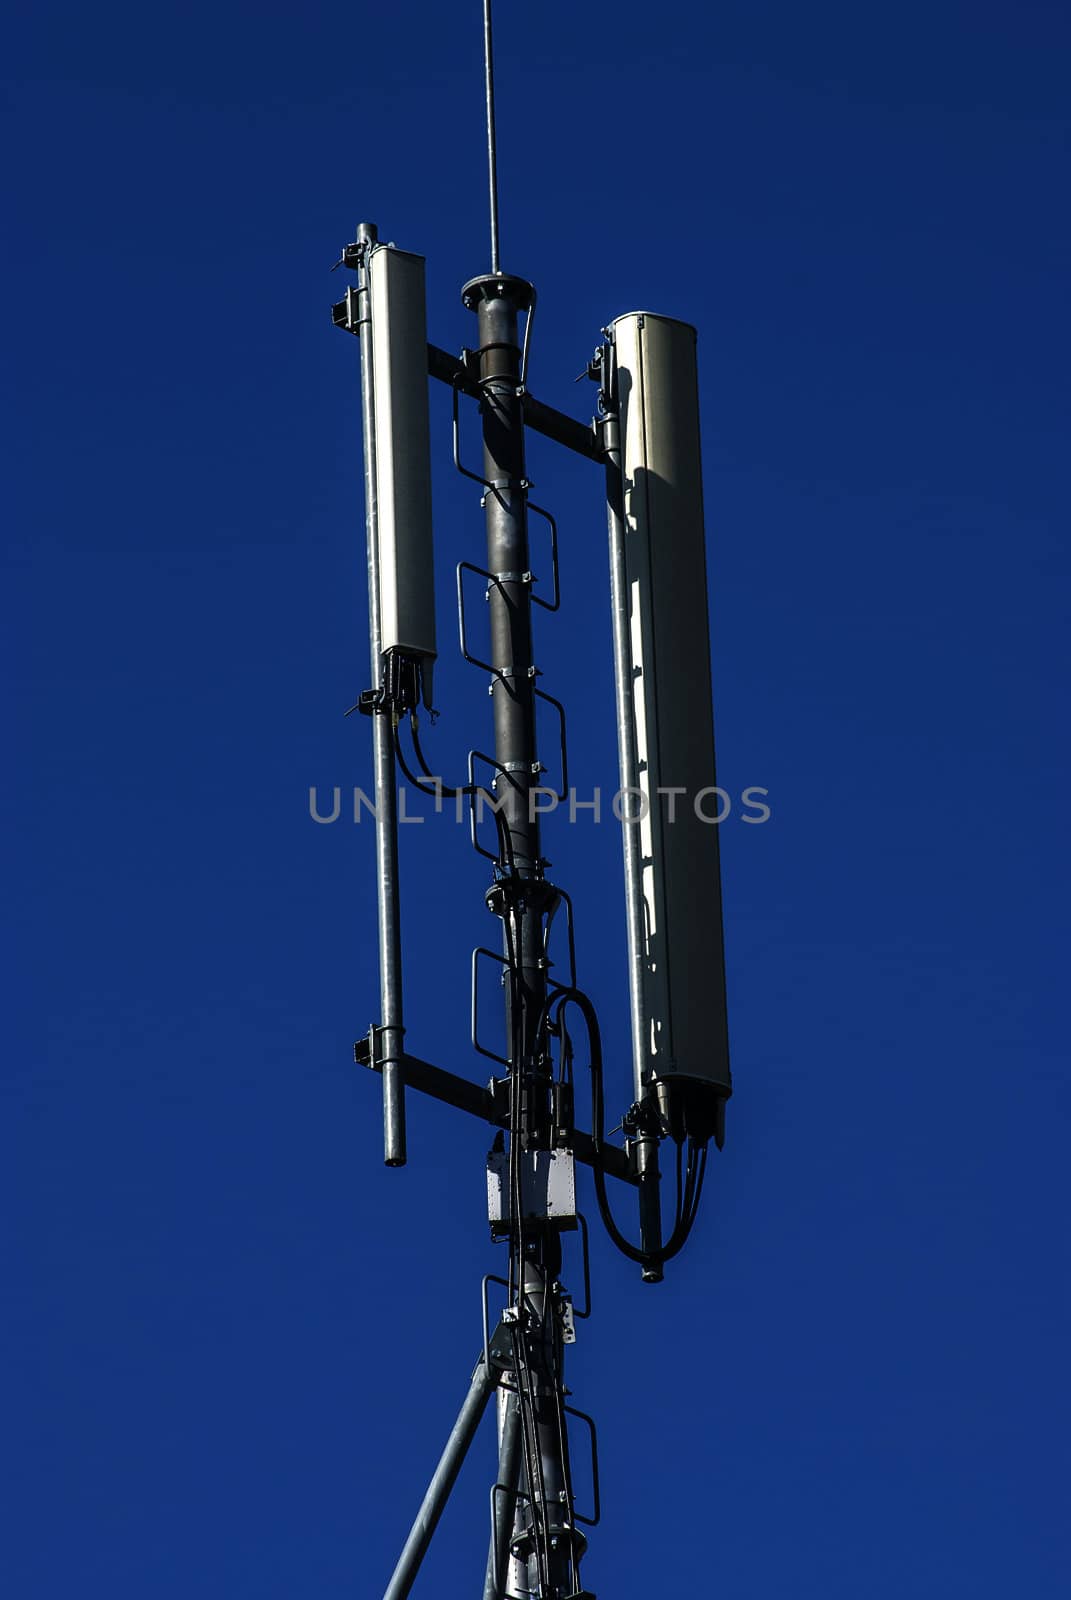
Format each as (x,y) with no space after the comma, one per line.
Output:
(645,439)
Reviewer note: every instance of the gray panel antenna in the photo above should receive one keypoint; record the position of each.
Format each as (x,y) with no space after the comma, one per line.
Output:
(665,724)
(403,456)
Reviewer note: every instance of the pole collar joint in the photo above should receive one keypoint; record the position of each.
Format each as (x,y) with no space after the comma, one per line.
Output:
(497,286)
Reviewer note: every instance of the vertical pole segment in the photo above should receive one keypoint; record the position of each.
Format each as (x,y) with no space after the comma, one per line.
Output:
(547,1544)
(391,1031)
(497,299)
(550,1496)
(443,1479)
(504,1499)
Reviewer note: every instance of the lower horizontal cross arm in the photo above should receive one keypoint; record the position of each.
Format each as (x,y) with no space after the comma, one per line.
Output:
(479,1101)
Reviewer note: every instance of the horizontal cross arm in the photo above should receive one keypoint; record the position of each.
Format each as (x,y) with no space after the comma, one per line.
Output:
(479,1100)
(576,436)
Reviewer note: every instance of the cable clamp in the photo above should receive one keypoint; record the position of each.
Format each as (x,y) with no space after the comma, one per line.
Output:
(352,256)
(506,673)
(520,484)
(643,1118)
(368,702)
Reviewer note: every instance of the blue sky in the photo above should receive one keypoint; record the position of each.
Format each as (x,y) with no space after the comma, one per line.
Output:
(235,1341)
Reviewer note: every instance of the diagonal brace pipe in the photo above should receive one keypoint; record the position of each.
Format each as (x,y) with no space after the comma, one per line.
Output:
(484,1381)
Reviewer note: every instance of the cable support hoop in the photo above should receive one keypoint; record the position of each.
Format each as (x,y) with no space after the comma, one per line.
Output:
(482,1049)
(549,605)
(520,485)
(562,899)
(496,580)
(596,1513)
(506,861)
(477,477)
(473,757)
(496,485)
(507,675)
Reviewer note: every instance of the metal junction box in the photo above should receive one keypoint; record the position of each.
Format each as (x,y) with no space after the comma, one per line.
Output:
(548,1188)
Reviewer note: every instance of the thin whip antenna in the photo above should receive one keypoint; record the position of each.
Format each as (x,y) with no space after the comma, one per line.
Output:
(492,156)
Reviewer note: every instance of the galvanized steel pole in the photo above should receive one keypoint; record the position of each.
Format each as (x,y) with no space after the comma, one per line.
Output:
(431,1509)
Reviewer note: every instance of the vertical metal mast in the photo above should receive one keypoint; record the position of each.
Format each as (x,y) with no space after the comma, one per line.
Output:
(521,900)
(543,1528)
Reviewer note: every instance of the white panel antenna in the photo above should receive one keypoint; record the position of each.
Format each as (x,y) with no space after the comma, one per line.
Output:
(666,728)
(403,458)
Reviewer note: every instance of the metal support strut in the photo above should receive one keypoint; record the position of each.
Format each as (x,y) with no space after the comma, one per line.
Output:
(443,1479)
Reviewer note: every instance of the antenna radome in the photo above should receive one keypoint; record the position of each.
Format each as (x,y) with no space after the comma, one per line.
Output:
(666,724)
